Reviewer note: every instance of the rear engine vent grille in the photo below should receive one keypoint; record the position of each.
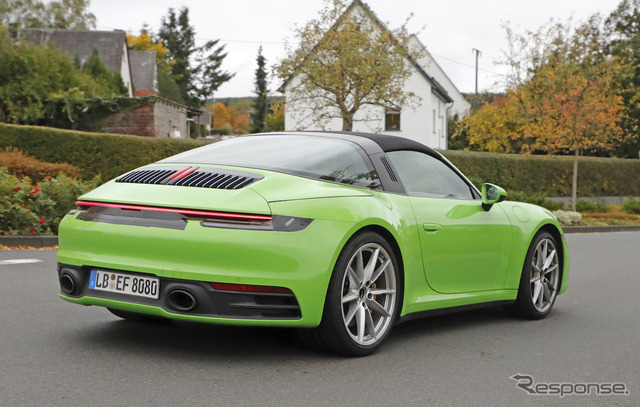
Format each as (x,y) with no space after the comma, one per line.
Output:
(214,180)
(147,176)
(191,177)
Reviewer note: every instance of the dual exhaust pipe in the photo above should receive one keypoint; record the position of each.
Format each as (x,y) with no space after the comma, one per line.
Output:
(178,298)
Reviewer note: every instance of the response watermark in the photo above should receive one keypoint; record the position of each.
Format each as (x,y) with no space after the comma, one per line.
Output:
(528,384)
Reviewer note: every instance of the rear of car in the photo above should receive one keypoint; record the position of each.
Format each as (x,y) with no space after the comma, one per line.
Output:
(187,238)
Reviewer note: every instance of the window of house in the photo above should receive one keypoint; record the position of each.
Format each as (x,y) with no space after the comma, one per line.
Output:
(392,120)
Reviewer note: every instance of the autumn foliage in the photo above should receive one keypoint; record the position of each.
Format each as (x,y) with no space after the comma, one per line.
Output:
(144,42)
(561,98)
(21,165)
(229,118)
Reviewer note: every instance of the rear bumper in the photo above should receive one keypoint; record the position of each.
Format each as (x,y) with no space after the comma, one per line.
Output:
(193,298)
(192,258)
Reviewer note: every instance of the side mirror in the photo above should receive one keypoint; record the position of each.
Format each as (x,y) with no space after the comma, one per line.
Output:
(492,194)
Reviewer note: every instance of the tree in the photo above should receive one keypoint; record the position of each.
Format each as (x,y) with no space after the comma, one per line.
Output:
(560,97)
(179,37)
(622,33)
(496,126)
(275,120)
(98,71)
(30,75)
(65,14)
(228,119)
(260,106)
(208,75)
(196,70)
(221,117)
(347,60)
(575,113)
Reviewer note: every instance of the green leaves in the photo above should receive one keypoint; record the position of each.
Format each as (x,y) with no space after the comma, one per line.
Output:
(346,59)
(197,71)
(56,14)
(30,75)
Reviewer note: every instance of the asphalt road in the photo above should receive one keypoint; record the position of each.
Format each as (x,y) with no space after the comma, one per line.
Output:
(58,354)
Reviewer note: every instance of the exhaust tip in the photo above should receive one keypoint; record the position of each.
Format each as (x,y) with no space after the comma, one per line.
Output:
(182,300)
(67,284)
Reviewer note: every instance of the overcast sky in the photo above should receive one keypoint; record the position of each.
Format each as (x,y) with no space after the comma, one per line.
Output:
(449,28)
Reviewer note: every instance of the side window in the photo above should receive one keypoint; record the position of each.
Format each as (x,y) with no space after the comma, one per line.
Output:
(423,175)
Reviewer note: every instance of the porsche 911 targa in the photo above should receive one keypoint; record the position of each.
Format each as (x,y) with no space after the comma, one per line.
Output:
(342,235)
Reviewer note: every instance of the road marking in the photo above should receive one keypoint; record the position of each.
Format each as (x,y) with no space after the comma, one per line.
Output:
(18,261)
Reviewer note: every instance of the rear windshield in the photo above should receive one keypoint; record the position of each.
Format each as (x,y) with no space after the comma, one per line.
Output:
(314,157)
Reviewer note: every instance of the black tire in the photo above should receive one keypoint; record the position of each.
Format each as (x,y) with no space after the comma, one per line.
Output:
(137,317)
(359,313)
(540,282)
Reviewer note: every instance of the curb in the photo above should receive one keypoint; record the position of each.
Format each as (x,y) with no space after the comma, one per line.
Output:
(601,229)
(32,241)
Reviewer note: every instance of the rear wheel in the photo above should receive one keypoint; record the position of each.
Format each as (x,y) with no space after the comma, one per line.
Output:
(362,300)
(540,279)
(137,317)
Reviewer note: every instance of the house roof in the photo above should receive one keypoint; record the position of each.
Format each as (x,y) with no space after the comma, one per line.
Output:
(435,86)
(143,69)
(80,43)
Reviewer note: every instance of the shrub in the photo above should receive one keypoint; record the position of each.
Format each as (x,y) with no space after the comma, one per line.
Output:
(632,206)
(568,218)
(550,175)
(110,155)
(21,166)
(536,199)
(223,131)
(37,209)
(107,155)
(590,207)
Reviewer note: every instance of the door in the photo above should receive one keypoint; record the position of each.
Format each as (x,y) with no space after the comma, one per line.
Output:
(464,247)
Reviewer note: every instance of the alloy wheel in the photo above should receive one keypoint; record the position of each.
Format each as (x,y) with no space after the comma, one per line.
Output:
(368,294)
(544,275)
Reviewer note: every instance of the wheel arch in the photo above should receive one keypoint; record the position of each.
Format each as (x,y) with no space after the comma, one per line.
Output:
(391,239)
(558,236)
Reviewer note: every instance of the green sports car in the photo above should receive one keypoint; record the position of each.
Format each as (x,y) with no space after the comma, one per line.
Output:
(342,235)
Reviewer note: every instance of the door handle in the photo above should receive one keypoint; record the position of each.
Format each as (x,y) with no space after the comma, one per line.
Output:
(431,227)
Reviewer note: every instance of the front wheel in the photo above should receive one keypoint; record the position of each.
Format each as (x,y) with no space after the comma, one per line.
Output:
(540,279)
(362,300)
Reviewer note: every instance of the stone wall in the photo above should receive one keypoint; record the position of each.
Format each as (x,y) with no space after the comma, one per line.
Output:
(160,119)
(139,122)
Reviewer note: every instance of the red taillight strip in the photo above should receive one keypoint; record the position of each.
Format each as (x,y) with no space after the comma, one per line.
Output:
(183,173)
(251,288)
(187,212)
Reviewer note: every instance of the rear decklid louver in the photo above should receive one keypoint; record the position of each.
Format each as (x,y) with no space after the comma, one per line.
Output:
(191,177)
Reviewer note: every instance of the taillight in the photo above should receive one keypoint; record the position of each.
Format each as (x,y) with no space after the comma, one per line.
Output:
(189,213)
(246,288)
(215,219)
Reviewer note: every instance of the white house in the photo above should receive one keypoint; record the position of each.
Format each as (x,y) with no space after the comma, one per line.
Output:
(424,121)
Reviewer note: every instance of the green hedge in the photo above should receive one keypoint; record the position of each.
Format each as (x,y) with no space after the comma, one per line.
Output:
(550,175)
(107,155)
(110,155)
